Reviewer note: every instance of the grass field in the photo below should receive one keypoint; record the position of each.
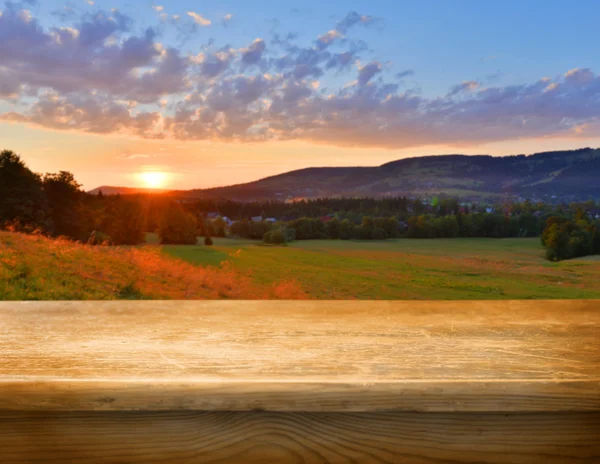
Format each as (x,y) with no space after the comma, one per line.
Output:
(38,268)
(406,269)
(33,267)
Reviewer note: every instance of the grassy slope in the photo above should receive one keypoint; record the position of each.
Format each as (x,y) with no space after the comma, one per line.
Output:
(37,268)
(408,269)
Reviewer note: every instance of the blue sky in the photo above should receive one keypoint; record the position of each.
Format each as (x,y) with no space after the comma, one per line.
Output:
(444,42)
(252,82)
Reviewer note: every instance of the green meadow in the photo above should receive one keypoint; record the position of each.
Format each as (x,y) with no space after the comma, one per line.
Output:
(404,268)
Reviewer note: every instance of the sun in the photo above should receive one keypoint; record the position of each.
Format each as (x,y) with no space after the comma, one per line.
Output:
(154,179)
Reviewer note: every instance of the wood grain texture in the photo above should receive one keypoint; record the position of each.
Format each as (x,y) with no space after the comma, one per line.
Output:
(300,356)
(320,438)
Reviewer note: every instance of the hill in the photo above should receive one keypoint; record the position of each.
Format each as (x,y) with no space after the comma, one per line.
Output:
(37,268)
(570,175)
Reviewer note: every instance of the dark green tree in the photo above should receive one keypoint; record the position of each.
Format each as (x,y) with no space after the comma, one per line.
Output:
(65,200)
(178,226)
(23,204)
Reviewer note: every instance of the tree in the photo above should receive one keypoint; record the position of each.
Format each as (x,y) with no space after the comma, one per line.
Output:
(565,239)
(219,227)
(346,230)
(333,228)
(65,201)
(378,233)
(23,203)
(125,221)
(275,237)
(178,226)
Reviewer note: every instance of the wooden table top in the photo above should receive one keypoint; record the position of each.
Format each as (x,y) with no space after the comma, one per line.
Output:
(301,356)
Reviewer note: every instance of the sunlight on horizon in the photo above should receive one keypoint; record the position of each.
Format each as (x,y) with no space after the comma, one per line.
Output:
(153,179)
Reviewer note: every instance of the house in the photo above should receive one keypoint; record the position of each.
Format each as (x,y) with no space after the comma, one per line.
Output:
(257,219)
(212,215)
(271,220)
(594,214)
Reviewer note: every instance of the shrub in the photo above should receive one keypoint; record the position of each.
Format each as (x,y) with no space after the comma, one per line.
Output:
(208,241)
(378,233)
(178,227)
(130,292)
(275,237)
(99,238)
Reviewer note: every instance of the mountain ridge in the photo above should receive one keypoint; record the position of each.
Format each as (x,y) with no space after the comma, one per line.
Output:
(570,174)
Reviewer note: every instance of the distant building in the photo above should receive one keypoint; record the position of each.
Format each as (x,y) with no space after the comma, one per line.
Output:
(257,219)
(594,214)
(489,210)
(212,215)
(272,220)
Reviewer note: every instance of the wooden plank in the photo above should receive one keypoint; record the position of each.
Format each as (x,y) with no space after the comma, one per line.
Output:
(300,356)
(323,438)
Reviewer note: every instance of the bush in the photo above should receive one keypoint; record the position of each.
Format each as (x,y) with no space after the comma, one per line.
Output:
(378,234)
(208,241)
(565,239)
(275,237)
(130,292)
(99,238)
(290,234)
(178,227)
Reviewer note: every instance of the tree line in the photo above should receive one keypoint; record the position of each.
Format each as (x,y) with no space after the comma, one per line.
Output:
(566,238)
(55,205)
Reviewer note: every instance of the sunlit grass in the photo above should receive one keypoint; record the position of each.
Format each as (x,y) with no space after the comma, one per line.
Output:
(37,268)
(33,267)
(407,268)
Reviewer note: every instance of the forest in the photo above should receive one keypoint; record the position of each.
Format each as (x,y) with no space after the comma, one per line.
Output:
(55,205)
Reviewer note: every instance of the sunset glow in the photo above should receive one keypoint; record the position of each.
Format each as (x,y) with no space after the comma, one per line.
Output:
(154,180)
(220,94)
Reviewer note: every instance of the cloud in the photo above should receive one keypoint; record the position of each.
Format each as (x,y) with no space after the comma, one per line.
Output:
(403,74)
(100,26)
(252,55)
(98,72)
(367,72)
(97,54)
(10,86)
(226,19)
(213,64)
(87,114)
(328,38)
(465,86)
(352,19)
(198,19)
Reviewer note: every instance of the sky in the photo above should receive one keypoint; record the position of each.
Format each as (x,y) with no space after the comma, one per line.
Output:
(200,93)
